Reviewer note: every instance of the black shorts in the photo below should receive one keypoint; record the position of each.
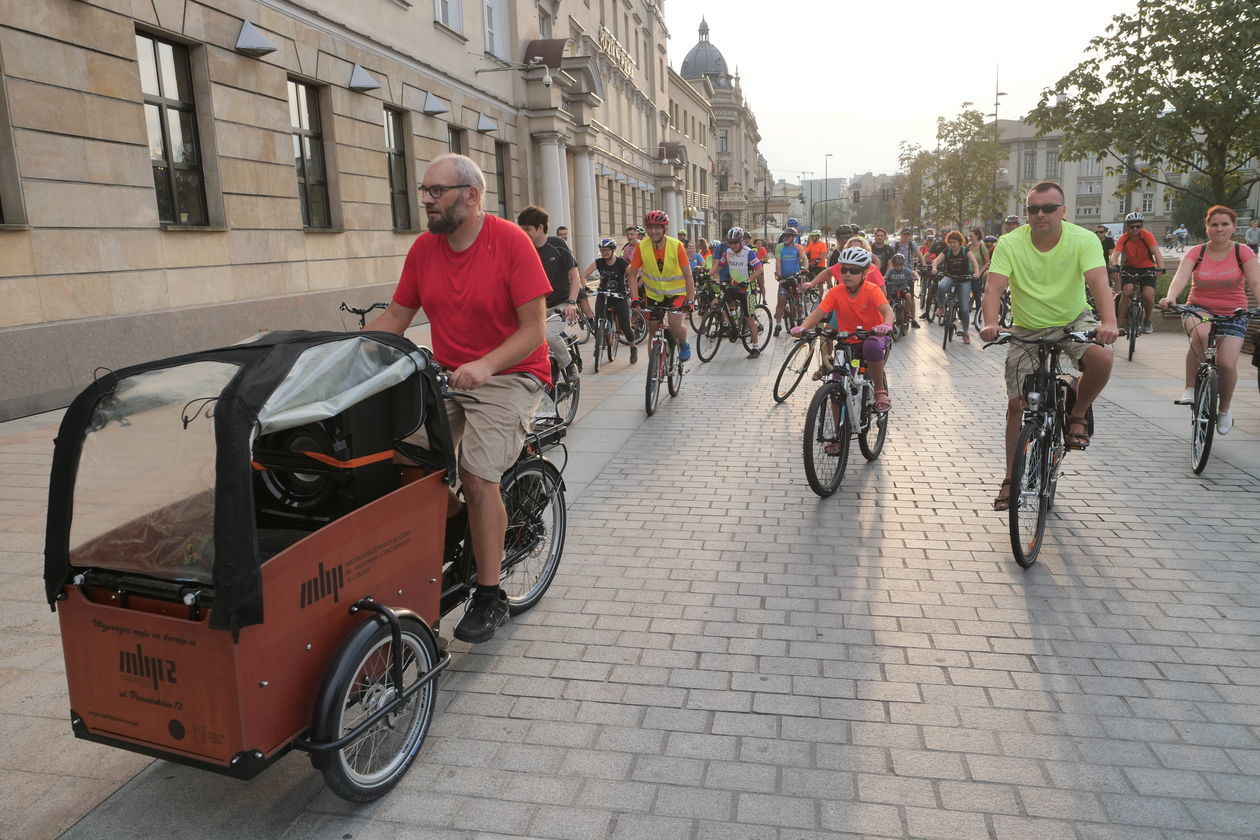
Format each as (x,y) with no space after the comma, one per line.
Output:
(740,296)
(1144,275)
(674,303)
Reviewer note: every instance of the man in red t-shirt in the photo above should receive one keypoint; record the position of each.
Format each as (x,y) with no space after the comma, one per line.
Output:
(481,283)
(1141,254)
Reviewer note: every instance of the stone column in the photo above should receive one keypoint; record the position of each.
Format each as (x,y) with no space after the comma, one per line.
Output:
(555,199)
(561,216)
(585,226)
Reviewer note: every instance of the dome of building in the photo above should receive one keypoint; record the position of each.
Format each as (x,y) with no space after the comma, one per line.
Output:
(704,59)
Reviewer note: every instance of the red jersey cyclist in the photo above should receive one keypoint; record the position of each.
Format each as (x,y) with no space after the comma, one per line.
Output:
(1141,256)
(854,305)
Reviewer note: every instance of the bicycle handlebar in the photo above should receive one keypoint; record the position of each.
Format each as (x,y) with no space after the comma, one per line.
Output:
(1079,337)
(1126,271)
(1208,317)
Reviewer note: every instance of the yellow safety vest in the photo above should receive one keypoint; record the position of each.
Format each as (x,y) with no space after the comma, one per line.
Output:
(662,281)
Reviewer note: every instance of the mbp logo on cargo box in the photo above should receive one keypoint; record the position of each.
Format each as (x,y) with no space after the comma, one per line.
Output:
(137,666)
(326,582)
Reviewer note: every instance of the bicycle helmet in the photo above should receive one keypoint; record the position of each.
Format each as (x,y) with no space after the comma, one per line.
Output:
(793,223)
(639,229)
(735,234)
(855,256)
(715,244)
(990,239)
(656,217)
(1135,217)
(815,232)
(1012,220)
(899,258)
(791,230)
(607,243)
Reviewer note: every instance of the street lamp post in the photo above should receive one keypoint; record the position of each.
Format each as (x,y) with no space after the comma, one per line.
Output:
(826,186)
(998,93)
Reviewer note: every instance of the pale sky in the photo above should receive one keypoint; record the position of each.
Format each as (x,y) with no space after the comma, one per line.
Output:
(811,69)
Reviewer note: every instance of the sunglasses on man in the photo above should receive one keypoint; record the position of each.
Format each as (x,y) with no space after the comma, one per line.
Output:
(852,269)
(1045,209)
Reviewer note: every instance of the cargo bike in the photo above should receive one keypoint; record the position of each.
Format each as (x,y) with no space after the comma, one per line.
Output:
(241,567)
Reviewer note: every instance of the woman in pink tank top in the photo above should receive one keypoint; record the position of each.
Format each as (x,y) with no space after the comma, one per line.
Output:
(1219,273)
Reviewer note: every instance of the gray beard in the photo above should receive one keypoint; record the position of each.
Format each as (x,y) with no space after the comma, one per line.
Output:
(449,220)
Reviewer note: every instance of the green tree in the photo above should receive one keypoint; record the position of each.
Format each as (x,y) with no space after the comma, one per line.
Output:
(1176,87)
(961,172)
(914,163)
(1190,207)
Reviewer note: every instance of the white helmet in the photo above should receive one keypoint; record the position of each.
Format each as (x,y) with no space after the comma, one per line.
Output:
(735,234)
(855,256)
(1135,217)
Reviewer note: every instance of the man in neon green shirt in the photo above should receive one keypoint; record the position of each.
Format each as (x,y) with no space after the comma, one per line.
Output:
(1047,264)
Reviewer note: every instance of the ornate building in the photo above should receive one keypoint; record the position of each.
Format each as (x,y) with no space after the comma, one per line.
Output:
(741,171)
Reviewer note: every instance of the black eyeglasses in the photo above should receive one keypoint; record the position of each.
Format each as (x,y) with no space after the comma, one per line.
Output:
(1134,224)
(437,191)
(856,269)
(1046,209)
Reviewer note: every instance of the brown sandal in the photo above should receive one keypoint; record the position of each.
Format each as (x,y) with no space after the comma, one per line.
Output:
(1077,439)
(1003,500)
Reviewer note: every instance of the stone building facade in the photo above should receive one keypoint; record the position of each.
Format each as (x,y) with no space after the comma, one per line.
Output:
(741,171)
(178,174)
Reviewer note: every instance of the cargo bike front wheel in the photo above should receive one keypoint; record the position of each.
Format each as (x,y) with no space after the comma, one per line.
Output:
(376,705)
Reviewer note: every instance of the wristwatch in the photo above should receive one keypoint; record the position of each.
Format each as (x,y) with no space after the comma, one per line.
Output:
(572,302)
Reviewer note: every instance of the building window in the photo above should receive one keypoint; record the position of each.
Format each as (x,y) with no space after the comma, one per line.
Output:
(722,182)
(612,206)
(1169,201)
(501,178)
(449,13)
(1091,166)
(166,82)
(455,139)
(496,28)
(1148,202)
(1030,166)
(1087,211)
(308,154)
(704,178)
(1088,187)
(544,24)
(1052,165)
(396,153)
(723,143)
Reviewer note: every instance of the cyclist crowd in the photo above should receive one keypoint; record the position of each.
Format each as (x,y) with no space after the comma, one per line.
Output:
(494,335)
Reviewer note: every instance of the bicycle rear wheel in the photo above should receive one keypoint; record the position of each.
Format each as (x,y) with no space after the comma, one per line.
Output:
(582,328)
(947,322)
(1028,495)
(638,327)
(873,431)
(794,368)
(826,426)
(673,370)
(568,392)
(533,495)
(612,340)
(652,394)
(599,343)
(1203,420)
(709,337)
(697,313)
(765,323)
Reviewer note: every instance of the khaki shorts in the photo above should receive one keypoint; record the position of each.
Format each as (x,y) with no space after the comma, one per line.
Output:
(490,433)
(1021,359)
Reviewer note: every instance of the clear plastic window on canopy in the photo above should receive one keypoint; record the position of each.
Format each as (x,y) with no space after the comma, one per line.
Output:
(144,495)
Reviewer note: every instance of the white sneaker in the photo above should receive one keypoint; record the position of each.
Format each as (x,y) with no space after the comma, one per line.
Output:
(1187,397)
(1224,422)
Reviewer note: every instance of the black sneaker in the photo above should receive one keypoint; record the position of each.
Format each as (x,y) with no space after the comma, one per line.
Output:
(778,328)
(754,353)
(483,615)
(915,324)
(634,354)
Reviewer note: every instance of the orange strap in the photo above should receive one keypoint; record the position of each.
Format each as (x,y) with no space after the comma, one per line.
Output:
(350,464)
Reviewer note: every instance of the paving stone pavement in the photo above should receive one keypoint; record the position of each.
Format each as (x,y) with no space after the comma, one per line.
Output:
(724,655)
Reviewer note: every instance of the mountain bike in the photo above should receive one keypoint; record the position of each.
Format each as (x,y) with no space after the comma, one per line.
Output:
(1048,399)
(662,360)
(708,293)
(1134,313)
(607,334)
(794,311)
(1203,410)
(902,303)
(843,407)
(726,321)
(927,295)
(567,383)
(950,312)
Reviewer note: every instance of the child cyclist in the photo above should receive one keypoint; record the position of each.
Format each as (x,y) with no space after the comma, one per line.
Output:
(899,283)
(612,278)
(856,304)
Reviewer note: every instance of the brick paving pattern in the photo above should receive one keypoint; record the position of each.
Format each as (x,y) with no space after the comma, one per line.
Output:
(724,655)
